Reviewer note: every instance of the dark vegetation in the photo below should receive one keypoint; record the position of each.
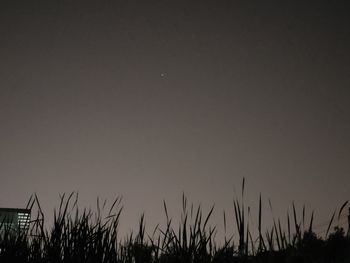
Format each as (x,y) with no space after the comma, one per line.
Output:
(82,236)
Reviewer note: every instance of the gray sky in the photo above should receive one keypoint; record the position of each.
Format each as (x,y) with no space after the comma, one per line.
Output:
(147,99)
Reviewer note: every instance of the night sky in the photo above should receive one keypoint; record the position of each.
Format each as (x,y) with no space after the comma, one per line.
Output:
(150,99)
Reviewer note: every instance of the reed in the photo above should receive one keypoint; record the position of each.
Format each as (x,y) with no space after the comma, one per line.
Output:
(86,236)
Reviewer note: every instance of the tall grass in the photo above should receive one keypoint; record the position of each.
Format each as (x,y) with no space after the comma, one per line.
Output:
(86,236)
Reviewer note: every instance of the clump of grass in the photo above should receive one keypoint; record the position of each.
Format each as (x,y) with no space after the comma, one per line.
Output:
(192,242)
(86,236)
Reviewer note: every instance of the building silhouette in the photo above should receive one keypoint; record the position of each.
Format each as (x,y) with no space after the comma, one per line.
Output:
(14,220)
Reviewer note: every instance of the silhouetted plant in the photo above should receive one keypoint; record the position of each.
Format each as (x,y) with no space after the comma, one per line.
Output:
(91,237)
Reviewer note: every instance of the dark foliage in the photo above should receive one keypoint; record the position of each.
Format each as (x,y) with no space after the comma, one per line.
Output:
(90,237)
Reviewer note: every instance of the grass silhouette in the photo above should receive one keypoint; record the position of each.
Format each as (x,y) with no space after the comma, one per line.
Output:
(84,236)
